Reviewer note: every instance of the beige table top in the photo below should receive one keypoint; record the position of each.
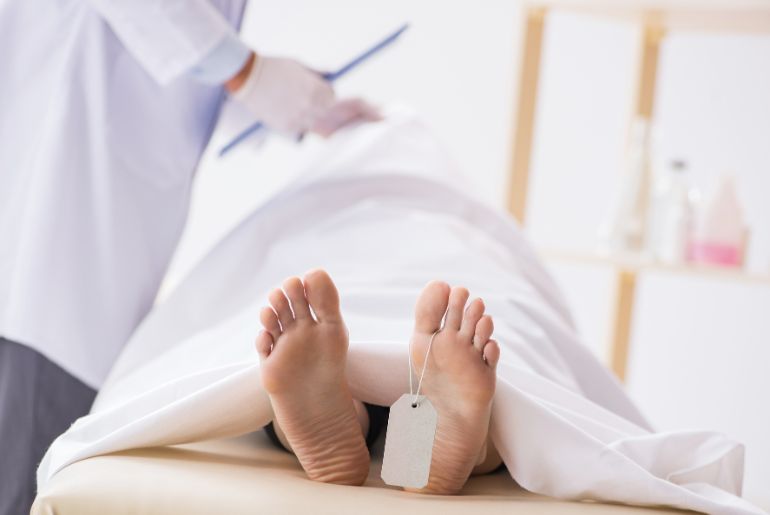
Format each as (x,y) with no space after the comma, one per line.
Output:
(248,476)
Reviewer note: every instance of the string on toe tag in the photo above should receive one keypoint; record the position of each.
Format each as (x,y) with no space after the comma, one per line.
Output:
(424,366)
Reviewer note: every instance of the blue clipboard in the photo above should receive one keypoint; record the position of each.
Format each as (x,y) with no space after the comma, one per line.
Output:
(331,77)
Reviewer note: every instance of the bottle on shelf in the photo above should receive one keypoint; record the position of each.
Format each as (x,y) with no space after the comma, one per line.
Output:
(670,215)
(624,232)
(720,234)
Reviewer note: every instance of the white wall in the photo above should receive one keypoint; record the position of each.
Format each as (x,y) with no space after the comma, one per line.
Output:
(700,347)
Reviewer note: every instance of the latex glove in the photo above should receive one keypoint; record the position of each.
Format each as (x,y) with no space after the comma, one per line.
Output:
(285,95)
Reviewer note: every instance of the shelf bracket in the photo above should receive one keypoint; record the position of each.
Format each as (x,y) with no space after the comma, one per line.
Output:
(620,329)
(524,115)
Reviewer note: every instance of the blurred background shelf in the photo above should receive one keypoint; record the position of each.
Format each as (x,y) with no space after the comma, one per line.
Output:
(656,19)
(640,264)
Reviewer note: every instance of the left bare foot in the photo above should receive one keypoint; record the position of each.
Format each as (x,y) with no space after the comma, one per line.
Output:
(303,371)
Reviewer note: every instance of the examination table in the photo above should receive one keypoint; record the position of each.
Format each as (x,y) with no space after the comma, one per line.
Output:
(247,475)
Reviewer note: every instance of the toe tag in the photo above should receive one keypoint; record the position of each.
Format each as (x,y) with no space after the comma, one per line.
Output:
(409,442)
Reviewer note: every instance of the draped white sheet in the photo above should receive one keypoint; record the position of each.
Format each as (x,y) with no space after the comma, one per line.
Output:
(381,210)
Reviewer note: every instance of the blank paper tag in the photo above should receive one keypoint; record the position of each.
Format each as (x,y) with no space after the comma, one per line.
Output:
(409,442)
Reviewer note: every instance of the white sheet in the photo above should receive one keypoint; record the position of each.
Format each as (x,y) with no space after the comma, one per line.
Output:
(376,211)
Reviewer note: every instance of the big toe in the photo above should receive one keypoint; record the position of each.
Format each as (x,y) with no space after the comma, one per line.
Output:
(322,295)
(431,307)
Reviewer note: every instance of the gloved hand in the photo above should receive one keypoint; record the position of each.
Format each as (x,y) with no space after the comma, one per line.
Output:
(290,98)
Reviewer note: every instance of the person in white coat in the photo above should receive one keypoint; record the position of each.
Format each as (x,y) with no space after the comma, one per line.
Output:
(105,109)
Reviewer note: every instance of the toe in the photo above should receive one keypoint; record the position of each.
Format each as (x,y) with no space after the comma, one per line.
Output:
(484,329)
(281,306)
(296,293)
(270,322)
(472,316)
(454,315)
(491,353)
(264,344)
(431,307)
(323,296)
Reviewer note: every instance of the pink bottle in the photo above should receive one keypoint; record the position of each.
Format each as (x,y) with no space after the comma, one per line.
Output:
(719,233)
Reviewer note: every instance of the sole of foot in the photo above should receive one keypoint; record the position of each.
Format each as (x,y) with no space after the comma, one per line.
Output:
(459,380)
(303,350)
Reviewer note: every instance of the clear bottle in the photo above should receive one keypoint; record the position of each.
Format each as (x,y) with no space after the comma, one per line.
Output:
(670,221)
(624,232)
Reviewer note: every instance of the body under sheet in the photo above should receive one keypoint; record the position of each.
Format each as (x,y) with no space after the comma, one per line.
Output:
(382,212)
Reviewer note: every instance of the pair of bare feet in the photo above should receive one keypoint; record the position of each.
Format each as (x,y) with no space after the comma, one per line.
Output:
(303,351)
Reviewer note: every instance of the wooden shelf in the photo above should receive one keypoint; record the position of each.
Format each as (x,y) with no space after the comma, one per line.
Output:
(655,19)
(752,16)
(639,264)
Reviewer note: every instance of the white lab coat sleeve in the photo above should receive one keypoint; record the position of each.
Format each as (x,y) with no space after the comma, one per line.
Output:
(168,37)
(223,62)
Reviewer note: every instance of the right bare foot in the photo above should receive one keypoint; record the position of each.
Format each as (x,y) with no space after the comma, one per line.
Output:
(303,371)
(459,380)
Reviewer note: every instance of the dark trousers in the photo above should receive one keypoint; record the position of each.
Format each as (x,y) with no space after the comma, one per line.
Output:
(38,402)
(378,420)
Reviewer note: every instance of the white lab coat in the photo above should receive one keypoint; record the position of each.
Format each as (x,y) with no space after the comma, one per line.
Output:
(100,134)
(377,212)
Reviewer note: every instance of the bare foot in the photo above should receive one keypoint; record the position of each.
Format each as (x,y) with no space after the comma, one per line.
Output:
(459,380)
(303,371)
